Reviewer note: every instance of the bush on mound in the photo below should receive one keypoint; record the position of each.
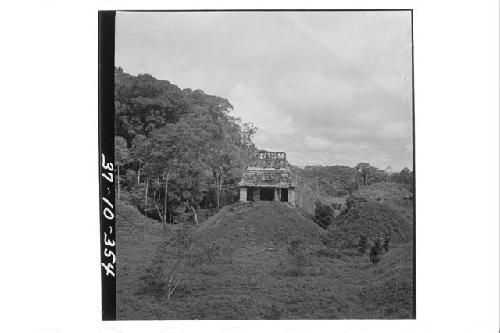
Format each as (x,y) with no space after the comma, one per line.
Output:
(371,220)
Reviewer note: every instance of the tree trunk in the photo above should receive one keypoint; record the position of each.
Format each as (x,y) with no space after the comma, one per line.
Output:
(317,191)
(217,193)
(165,202)
(138,176)
(301,195)
(118,181)
(158,210)
(218,198)
(146,194)
(219,181)
(194,213)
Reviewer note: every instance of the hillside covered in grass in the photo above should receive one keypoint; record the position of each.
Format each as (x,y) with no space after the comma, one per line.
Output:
(239,264)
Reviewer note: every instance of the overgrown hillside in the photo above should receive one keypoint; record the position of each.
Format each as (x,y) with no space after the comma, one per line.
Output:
(380,210)
(238,265)
(332,185)
(372,220)
(396,195)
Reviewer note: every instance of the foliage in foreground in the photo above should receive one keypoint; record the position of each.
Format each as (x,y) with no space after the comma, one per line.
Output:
(255,277)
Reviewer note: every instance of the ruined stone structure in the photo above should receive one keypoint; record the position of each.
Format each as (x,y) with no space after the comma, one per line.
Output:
(268,178)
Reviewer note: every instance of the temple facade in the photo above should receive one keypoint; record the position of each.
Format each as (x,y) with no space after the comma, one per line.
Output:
(268,178)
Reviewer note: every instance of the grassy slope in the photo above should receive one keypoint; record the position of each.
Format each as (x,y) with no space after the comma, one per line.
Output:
(137,241)
(252,278)
(391,194)
(372,220)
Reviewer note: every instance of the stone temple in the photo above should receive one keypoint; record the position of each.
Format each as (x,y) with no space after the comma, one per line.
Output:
(268,178)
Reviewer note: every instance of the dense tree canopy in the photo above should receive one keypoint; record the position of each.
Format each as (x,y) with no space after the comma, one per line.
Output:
(176,147)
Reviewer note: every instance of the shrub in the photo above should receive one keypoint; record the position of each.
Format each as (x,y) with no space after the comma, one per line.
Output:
(274,312)
(172,276)
(163,276)
(362,245)
(341,193)
(329,249)
(374,255)
(386,244)
(153,279)
(339,238)
(327,240)
(327,252)
(297,253)
(336,206)
(323,215)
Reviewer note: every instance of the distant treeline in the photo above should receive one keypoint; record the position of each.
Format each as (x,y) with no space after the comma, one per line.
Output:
(342,180)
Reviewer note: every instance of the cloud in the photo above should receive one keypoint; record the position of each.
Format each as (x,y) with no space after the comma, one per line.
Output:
(326,87)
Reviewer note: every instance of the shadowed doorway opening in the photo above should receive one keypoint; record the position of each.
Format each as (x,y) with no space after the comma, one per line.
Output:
(267,194)
(284,195)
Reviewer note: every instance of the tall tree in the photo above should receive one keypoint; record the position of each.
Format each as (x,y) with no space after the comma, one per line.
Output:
(140,153)
(172,148)
(191,182)
(222,137)
(219,159)
(404,176)
(363,171)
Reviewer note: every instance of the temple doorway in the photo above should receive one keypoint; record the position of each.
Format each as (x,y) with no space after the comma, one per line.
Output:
(284,195)
(267,194)
(250,194)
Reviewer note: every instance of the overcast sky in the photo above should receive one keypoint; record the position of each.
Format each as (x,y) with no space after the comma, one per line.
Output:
(330,88)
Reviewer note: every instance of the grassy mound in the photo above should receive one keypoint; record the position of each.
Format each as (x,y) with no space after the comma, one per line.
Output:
(138,238)
(259,223)
(395,195)
(131,224)
(371,219)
